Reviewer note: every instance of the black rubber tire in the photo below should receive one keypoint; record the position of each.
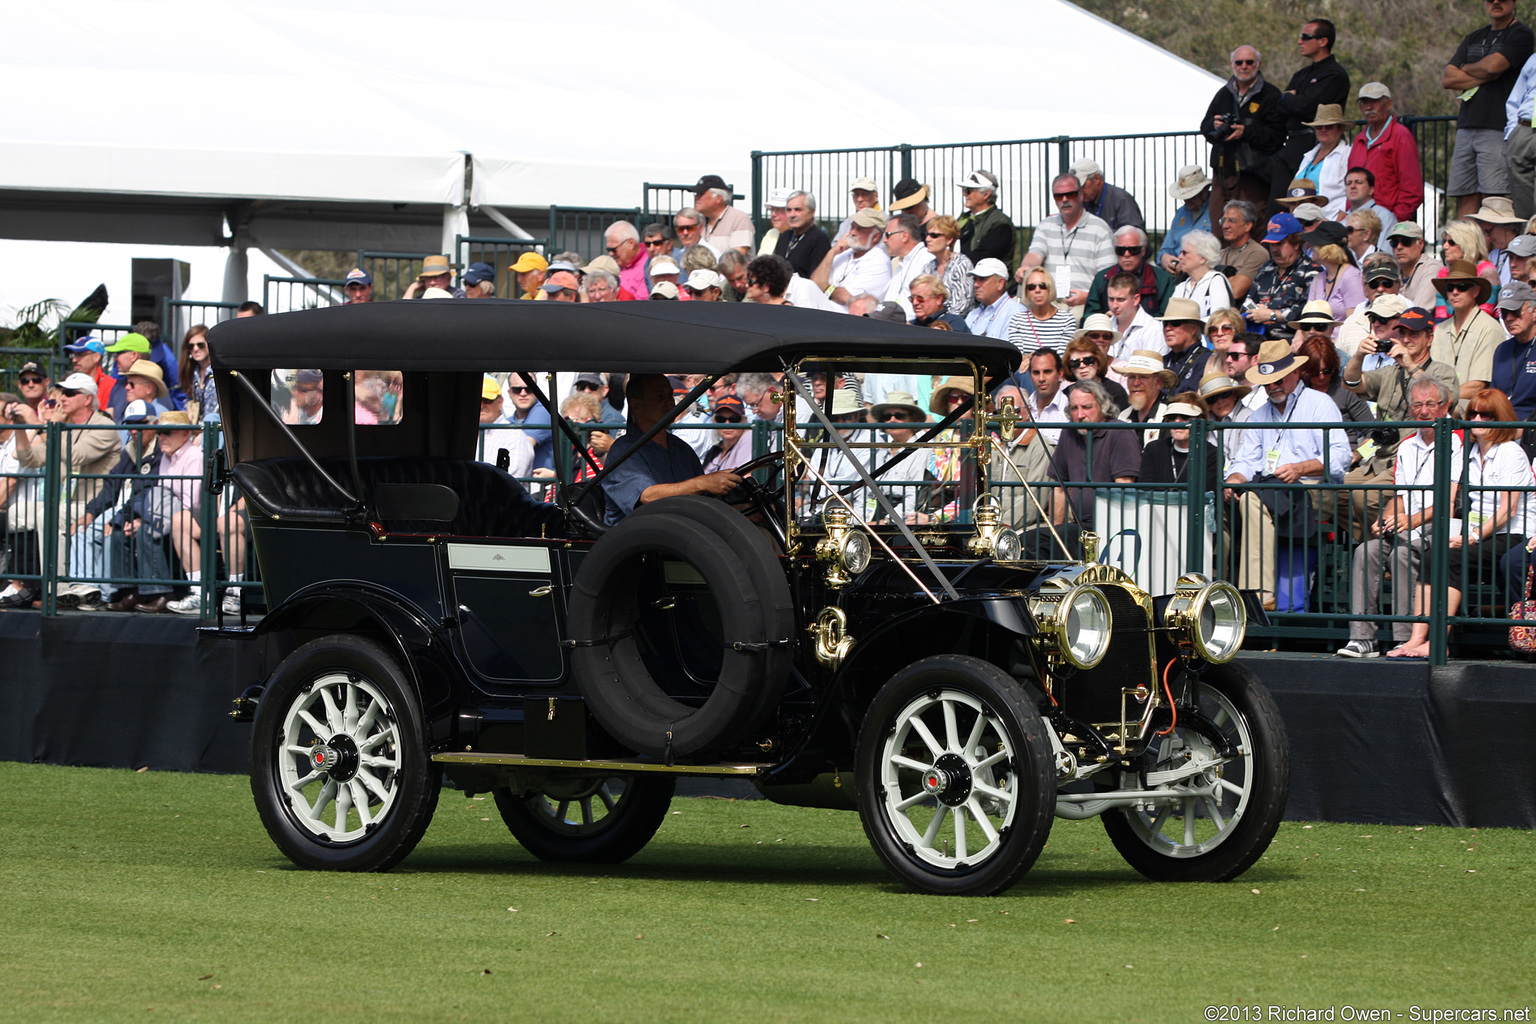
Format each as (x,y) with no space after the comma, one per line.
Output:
(334,664)
(1253,720)
(637,812)
(970,686)
(748,582)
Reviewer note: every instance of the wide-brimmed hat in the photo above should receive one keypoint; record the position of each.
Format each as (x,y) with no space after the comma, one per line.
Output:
(1145,363)
(1097,322)
(434,266)
(907,193)
(898,400)
(1275,361)
(1497,210)
(1300,190)
(1317,313)
(939,403)
(1330,113)
(1215,384)
(845,403)
(1190,183)
(1182,309)
(1464,272)
(143,368)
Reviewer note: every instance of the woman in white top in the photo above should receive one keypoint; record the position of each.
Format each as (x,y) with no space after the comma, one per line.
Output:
(1496,520)
(1326,163)
(1198,256)
(1042,324)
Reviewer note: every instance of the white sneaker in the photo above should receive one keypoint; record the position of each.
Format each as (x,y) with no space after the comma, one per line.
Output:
(1360,649)
(231,603)
(189,605)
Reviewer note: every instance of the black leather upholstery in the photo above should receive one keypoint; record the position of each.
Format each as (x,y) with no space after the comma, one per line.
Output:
(491,502)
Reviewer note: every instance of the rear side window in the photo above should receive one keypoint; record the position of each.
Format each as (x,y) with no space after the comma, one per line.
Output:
(379,398)
(298,396)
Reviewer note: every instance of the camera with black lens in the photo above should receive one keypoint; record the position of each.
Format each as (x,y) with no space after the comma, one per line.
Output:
(1221,128)
(1385,437)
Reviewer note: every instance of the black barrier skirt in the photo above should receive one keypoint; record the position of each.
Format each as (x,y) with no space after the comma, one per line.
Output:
(1375,742)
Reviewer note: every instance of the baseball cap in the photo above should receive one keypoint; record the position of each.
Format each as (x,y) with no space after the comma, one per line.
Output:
(529,260)
(865,184)
(1516,294)
(889,311)
(358,276)
(1386,307)
(131,342)
(664,265)
(779,198)
(869,219)
(80,382)
(88,343)
(1523,246)
(664,290)
(1375,91)
(1084,167)
(708,182)
(1308,213)
(1416,319)
(991,267)
(979,179)
(1379,265)
(701,279)
(1282,226)
(478,272)
(138,411)
(590,378)
(1406,229)
(732,404)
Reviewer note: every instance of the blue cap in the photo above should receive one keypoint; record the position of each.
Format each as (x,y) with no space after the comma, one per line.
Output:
(478,272)
(1282,226)
(89,343)
(359,276)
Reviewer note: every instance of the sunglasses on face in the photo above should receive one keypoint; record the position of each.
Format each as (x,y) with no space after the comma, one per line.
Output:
(1478,414)
(1381,282)
(1461,286)
(1033,285)
(31,380)
(1244,63)
(519,391)
(1178,419)
(655,241)
(894,415)
(1060,196)
(727,417)
(1511,314)
(1078,364)
(582,385)
(1307,37)
(195,345)
(935,234)
(1127,250)
(1400,243)
(687,227)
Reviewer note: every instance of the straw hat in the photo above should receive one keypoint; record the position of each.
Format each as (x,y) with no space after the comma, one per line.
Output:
(1096,323)
(1317,313)
(145,368)
(1216,384)
(1179,310)
(939,403)
(1300,190)
(433,266)
(1145,363)
(1330,113)
(1276,360)
(1190,183)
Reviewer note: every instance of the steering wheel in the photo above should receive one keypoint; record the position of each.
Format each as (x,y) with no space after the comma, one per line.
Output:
(764,498)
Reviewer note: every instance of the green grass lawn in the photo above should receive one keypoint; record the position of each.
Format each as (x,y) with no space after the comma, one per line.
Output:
(146,896)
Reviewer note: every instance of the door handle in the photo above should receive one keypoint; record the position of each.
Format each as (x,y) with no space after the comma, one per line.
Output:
(543,591)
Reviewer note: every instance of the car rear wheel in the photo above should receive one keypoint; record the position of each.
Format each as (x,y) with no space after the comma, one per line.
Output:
(1221,818)
(956,783)
(588,818)
(339,771)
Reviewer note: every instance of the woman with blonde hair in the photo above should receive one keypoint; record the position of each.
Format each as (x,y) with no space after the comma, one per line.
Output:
(1339,283)
(955,269)
(1221,327)
(1463,240)
(1362,232)
(1042,323)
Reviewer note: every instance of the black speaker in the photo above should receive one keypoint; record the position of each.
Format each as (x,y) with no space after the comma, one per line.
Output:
(155,281)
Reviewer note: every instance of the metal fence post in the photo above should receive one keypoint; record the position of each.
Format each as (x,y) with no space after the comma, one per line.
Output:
(1439,552)
(757,193)
(52,482)
(905,150)
(208,525)
(1194,557)
(1063,153)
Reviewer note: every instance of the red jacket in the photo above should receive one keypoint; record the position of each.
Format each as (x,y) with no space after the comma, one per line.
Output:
(1394,159)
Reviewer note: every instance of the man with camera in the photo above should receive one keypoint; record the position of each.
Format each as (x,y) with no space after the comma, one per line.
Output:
(1406,339)
(1244,127)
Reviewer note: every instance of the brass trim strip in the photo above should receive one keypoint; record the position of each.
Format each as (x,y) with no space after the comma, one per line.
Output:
(521,760)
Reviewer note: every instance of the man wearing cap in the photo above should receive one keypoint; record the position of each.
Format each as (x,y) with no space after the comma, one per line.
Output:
(125,351)
(1482,72)
(358,287)
(480,281)
(726,449)
(494,437)
(994,306)
(857,263)
(1514,361)
(664,466)
(1244,127)
(1280,290)
(436,272)
(1136,327)
(1388,151)
(1405,340)
(1145,381)
(1242,252)
(910,258)
(87,355)
(1467,339)
(1360,194)
(1384,303)
(866,196)
(596,384)
(805,245)
(1072,244)
(529,271)
(1271,454)
(1419,266)
(561,286)
(1183,333)
(1155,286)
(1192,190)
(777,209)
(1321,80)
(32,383)
(1400,529)
(705,286)
(910,197)
(662,269)
(1110,203)
(87,455)
(1307,214)
(985,231)
(725,227)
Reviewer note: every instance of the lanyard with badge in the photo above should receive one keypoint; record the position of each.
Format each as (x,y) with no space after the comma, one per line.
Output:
(1272,455)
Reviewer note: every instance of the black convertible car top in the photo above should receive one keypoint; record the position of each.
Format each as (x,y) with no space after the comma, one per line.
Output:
(641,337)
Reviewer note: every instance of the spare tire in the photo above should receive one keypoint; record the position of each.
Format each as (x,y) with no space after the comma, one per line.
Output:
(746,578)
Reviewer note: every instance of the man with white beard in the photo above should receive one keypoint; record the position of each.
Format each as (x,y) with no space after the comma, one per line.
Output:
(857,263)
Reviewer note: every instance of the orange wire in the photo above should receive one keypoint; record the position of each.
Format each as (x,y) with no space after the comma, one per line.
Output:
(1172,707)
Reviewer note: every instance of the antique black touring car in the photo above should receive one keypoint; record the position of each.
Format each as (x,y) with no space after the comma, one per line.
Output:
(429,618)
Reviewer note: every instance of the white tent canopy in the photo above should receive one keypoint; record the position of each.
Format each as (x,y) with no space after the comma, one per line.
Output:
(187,112)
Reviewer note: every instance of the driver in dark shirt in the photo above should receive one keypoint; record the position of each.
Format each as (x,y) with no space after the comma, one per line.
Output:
(665,466)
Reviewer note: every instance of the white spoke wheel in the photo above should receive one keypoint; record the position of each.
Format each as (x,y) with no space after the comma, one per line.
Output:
(339,769)
(1212,826)
(955,777)
(585,818)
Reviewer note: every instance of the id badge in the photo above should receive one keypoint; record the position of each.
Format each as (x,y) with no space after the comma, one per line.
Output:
(1271,461)
(1062,272)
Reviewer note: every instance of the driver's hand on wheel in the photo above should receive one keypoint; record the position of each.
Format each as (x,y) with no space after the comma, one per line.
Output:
(718,484)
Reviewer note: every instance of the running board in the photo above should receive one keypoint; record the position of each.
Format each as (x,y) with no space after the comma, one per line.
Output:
(618,765)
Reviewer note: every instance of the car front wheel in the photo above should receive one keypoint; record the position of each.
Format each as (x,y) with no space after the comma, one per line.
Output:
(339,771)
(956,782)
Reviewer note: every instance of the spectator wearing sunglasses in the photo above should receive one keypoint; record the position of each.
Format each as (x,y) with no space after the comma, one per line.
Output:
(1382,278)
(1087,358)
(730,448)
(1321,79)
(1243,125)
(526,409)
(1514,360)
(1070,241)
(1417,265)
(1466,341)
(1154,284)
(956,270)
